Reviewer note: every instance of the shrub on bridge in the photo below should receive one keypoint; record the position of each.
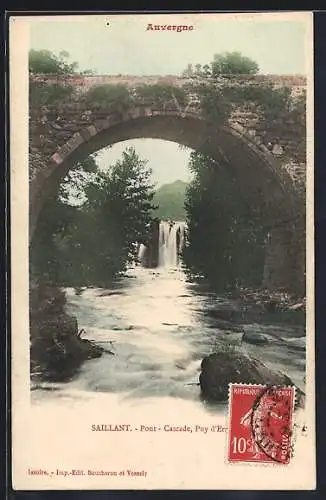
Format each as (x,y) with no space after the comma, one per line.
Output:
(218,100)
(215,105)
(270,99)
(108,95)
(41,94)
(161,94)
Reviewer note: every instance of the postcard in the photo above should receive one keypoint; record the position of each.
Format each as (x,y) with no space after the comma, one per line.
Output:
(162,247)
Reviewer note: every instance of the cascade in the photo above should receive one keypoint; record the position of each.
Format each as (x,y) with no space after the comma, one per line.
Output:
(141,253)
(171,241)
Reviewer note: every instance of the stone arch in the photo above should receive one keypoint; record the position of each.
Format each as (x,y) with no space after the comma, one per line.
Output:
(259,175)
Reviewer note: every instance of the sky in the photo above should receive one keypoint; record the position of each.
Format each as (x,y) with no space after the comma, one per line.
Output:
(123,45)
(168,161)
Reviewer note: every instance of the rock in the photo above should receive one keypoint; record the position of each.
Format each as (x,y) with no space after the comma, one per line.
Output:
(110,293)
(226,325)
(249,313)
(56,346)
(91,350)
(254,338)
(296,307)
(271,305)
(277,150)
(180,366)
(229,337)
(221,368)
(120,328)
(222,314)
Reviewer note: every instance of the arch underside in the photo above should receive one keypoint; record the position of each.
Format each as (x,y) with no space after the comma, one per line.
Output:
(253,175)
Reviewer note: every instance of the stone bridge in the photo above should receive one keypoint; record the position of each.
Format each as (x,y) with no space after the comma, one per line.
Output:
(265,159)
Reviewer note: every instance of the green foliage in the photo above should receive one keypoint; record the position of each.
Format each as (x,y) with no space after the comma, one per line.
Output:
(221,93)
(108,94)
(215,102)
(215,212)
(233,63)
(160,94)
(298,109)
(41,94)
(170,199)
(226,64)
(46,62)
(234,255)
(299,103)
(54,222)
(270,99)
(93,243)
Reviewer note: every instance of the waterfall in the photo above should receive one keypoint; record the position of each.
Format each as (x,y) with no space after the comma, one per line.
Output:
(141,252)
(171,241)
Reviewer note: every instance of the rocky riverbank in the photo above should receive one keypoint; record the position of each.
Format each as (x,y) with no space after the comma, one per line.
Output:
(57,348)
(254,325)
(246,306)
(266,304)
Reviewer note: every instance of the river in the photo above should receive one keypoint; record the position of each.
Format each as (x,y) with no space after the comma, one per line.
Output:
(159,326)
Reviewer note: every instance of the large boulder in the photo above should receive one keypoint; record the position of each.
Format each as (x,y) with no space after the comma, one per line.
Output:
(221,368)
(256,338)
(56,347)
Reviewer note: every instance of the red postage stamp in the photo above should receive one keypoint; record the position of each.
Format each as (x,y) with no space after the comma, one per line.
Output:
(260,425)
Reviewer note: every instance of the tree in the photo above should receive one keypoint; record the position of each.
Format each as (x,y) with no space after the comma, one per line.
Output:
(119,204)
(216,214)
(233,63)
(226,63)
(46,62)
(93,242)
(57,220)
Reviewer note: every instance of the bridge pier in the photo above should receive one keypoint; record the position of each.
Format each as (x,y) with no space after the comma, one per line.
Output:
(285,259)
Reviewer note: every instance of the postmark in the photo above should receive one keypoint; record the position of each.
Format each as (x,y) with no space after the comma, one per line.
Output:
(261,423)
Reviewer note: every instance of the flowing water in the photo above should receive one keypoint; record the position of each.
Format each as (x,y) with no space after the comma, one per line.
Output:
(159,327)
(171,240)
